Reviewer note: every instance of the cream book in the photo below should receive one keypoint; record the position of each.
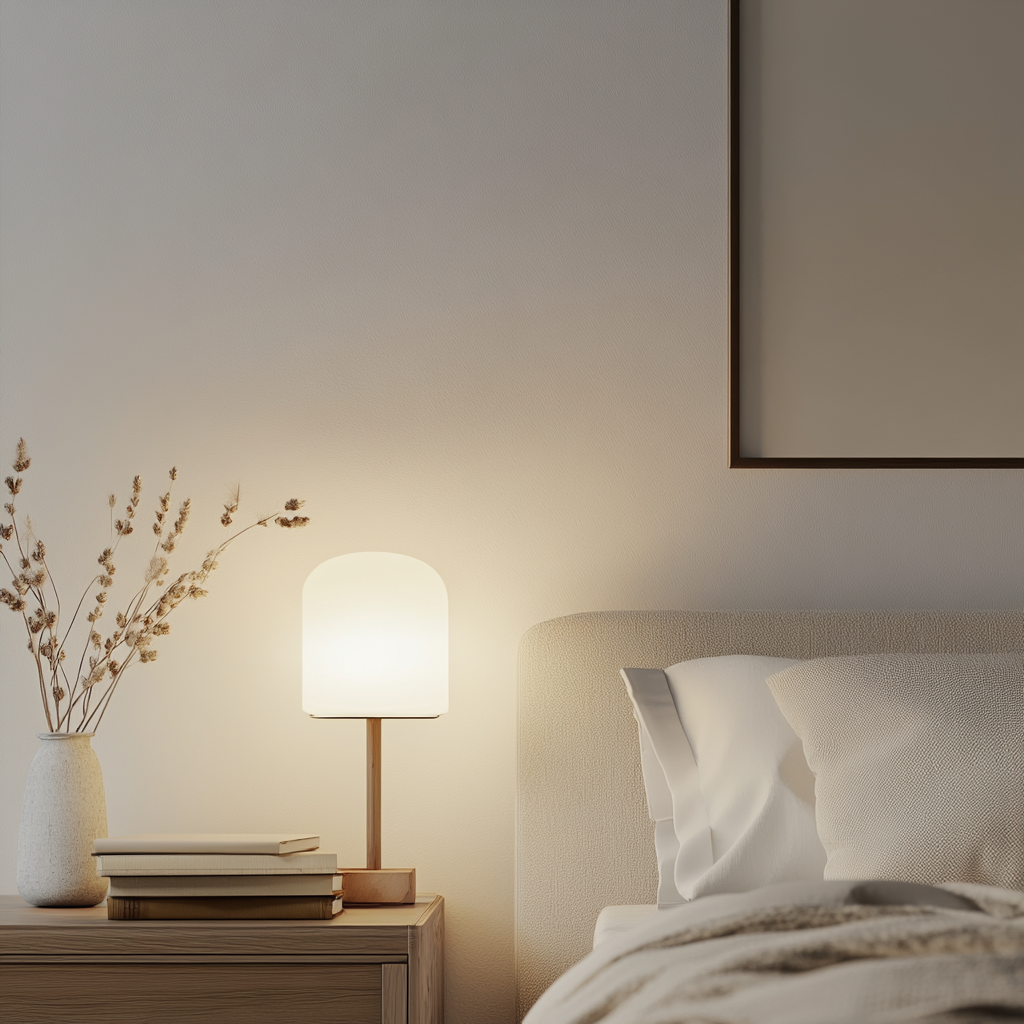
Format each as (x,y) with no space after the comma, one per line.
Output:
(226,885)
(208,842)
(217,864)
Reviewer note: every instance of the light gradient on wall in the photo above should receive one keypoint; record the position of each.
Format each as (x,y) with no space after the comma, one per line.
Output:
(456,274)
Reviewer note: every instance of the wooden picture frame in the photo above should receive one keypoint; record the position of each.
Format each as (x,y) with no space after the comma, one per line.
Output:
(908,55)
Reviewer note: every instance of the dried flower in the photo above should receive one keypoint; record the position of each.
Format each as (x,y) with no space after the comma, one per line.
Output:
(231,507)
(157,568)
(293,522)
(21,459)
(143,619)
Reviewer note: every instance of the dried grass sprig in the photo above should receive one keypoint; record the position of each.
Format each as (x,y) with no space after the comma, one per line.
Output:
(86,696)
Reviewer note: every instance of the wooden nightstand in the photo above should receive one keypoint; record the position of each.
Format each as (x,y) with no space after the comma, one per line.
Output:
(370,965)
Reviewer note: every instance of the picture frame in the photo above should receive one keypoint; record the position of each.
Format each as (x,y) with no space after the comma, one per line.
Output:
(827,101)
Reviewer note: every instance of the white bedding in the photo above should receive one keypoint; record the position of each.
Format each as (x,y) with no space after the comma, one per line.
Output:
(808,953)
(613,921)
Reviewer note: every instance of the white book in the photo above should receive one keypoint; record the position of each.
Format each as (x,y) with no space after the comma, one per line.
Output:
(226,885)
(208,842)
(114,864)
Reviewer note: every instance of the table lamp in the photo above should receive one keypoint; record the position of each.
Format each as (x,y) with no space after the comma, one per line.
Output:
(374,646)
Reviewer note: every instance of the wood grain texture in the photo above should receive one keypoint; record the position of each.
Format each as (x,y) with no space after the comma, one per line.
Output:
(426,967)
(373,752)
(75,965)
(379,886)
(394,994)
(46,932)
(186,993)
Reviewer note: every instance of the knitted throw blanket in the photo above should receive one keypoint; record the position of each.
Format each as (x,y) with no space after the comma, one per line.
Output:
(808,953)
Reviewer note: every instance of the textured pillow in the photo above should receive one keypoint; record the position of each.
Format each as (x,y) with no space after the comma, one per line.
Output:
(741,792)
(919,763)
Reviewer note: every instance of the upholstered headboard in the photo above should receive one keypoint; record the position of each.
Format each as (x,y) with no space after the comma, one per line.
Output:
(583,837)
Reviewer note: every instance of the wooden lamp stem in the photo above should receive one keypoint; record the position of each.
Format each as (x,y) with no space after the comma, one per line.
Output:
(372,885)
(373,794)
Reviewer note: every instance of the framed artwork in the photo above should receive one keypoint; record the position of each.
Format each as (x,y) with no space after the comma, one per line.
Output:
(876,233)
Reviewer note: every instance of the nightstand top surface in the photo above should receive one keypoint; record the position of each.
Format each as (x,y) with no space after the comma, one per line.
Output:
(57,930)
(15,911)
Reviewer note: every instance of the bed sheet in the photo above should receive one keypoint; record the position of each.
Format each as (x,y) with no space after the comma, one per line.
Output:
(614,921)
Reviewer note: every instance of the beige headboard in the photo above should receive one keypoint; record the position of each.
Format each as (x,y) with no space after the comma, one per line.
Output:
(583,837)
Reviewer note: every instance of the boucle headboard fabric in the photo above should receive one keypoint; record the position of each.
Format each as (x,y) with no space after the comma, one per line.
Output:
(583,836)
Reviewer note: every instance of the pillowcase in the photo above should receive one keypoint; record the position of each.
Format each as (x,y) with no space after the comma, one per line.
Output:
(721,755)
(660,730)
(919,760)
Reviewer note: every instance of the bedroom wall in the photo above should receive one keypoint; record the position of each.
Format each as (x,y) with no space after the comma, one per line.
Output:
(456,274)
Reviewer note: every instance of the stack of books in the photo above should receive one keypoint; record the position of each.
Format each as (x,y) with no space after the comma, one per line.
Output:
(187,876)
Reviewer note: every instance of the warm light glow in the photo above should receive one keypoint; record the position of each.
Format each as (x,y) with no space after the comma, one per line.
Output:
(374,638)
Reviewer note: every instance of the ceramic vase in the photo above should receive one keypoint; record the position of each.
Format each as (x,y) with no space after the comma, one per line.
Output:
(63,812)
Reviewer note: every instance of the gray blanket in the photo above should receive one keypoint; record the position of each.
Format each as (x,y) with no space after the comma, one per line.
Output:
(808,953)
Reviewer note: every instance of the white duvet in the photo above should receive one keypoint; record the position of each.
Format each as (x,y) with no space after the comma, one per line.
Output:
(808,953)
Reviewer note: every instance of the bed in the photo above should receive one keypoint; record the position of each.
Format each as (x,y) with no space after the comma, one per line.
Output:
(585,840)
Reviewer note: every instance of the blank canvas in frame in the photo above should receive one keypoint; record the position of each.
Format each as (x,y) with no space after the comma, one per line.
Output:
(878,232)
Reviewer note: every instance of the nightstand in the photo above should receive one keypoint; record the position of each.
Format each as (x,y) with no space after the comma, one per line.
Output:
(369,965)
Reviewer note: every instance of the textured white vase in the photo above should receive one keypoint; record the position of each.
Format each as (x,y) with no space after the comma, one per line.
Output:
(63,812)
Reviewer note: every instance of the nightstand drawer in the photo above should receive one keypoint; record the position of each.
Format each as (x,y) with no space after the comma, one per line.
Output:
(182,993)
(367,965)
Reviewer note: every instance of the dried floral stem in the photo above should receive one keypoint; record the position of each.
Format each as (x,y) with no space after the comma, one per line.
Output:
(39,665)
(143,620)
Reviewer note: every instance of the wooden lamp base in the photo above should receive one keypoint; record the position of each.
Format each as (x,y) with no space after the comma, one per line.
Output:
(374,884)
(378,886)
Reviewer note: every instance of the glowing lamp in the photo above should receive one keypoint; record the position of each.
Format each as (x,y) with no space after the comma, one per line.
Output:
(375,645)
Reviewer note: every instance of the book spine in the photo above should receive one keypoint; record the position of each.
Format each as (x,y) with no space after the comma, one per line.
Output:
(217,864)
(130,886)
(225,908)
(118,846)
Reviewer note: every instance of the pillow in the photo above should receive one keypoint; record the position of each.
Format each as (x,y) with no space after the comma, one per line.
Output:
(659,806)
(665,754)
(919,762)
(739,789)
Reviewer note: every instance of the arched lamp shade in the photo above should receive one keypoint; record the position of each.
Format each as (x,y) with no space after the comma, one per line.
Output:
(374,638)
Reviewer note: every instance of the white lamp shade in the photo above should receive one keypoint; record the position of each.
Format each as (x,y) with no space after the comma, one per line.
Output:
(374,638)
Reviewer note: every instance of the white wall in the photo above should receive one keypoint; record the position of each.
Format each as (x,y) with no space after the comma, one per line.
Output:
(456,273)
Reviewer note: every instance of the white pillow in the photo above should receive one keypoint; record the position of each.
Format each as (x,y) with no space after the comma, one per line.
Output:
(665,755)
(742,795)
(919,762)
